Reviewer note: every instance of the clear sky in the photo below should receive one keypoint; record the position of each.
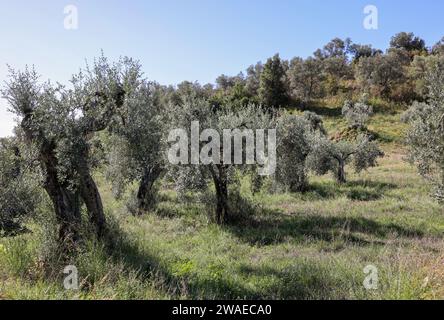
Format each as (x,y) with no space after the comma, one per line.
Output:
(194,39)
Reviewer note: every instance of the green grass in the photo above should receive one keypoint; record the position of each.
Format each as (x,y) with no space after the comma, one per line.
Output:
(313,245)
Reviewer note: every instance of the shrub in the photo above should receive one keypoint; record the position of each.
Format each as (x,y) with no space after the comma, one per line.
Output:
(19,195)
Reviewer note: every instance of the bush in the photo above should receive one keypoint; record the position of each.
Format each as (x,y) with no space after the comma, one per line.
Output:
(357,114)
(19,195)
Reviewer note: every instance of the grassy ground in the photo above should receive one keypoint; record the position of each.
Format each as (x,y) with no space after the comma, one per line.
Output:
(298,246)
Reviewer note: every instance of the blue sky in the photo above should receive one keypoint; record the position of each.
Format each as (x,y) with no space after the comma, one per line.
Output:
(194,39)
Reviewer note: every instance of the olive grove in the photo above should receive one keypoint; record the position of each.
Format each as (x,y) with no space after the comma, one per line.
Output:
(140,134)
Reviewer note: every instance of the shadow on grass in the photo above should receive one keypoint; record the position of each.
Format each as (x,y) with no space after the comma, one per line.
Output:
(152,268)
(303,280)
(277,228)
(389,109)
(324,111)
(12,229)
(354,190)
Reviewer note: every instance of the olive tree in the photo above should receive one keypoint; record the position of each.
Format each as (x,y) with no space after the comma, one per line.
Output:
(61,122)
(204,159)
(425,137)
(419,71)
(356,114)
(293,146)
(315,123)
(329,156)
(135,144)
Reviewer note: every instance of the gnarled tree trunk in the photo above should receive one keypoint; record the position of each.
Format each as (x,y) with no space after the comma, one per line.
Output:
(220,182)
(66,202)
(91,197)
(145,195)
(340,174)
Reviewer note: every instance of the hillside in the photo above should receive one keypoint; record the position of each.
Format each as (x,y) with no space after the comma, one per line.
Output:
(313,245)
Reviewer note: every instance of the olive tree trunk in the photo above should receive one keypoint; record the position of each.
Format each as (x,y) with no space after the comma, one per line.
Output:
(220,182)
(93,202)
(65,202)
(146,197)
(340,174)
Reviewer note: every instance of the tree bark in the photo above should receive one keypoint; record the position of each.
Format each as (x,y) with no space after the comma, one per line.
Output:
(91,197)
(340,175)
(145,194)
(66,202)
(220,183)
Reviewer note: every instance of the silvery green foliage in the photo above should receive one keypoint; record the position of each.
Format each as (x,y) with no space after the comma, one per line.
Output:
(366,154)
(191,108)
(191,177)
(329,156)
(417,109)
(218,118)
(19,192)
(357,114)
(322,155)
(295,135)
(316,124)
(293,147)
(61,122)
(68,116)
(421,68)
(135,145)
(425,138)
